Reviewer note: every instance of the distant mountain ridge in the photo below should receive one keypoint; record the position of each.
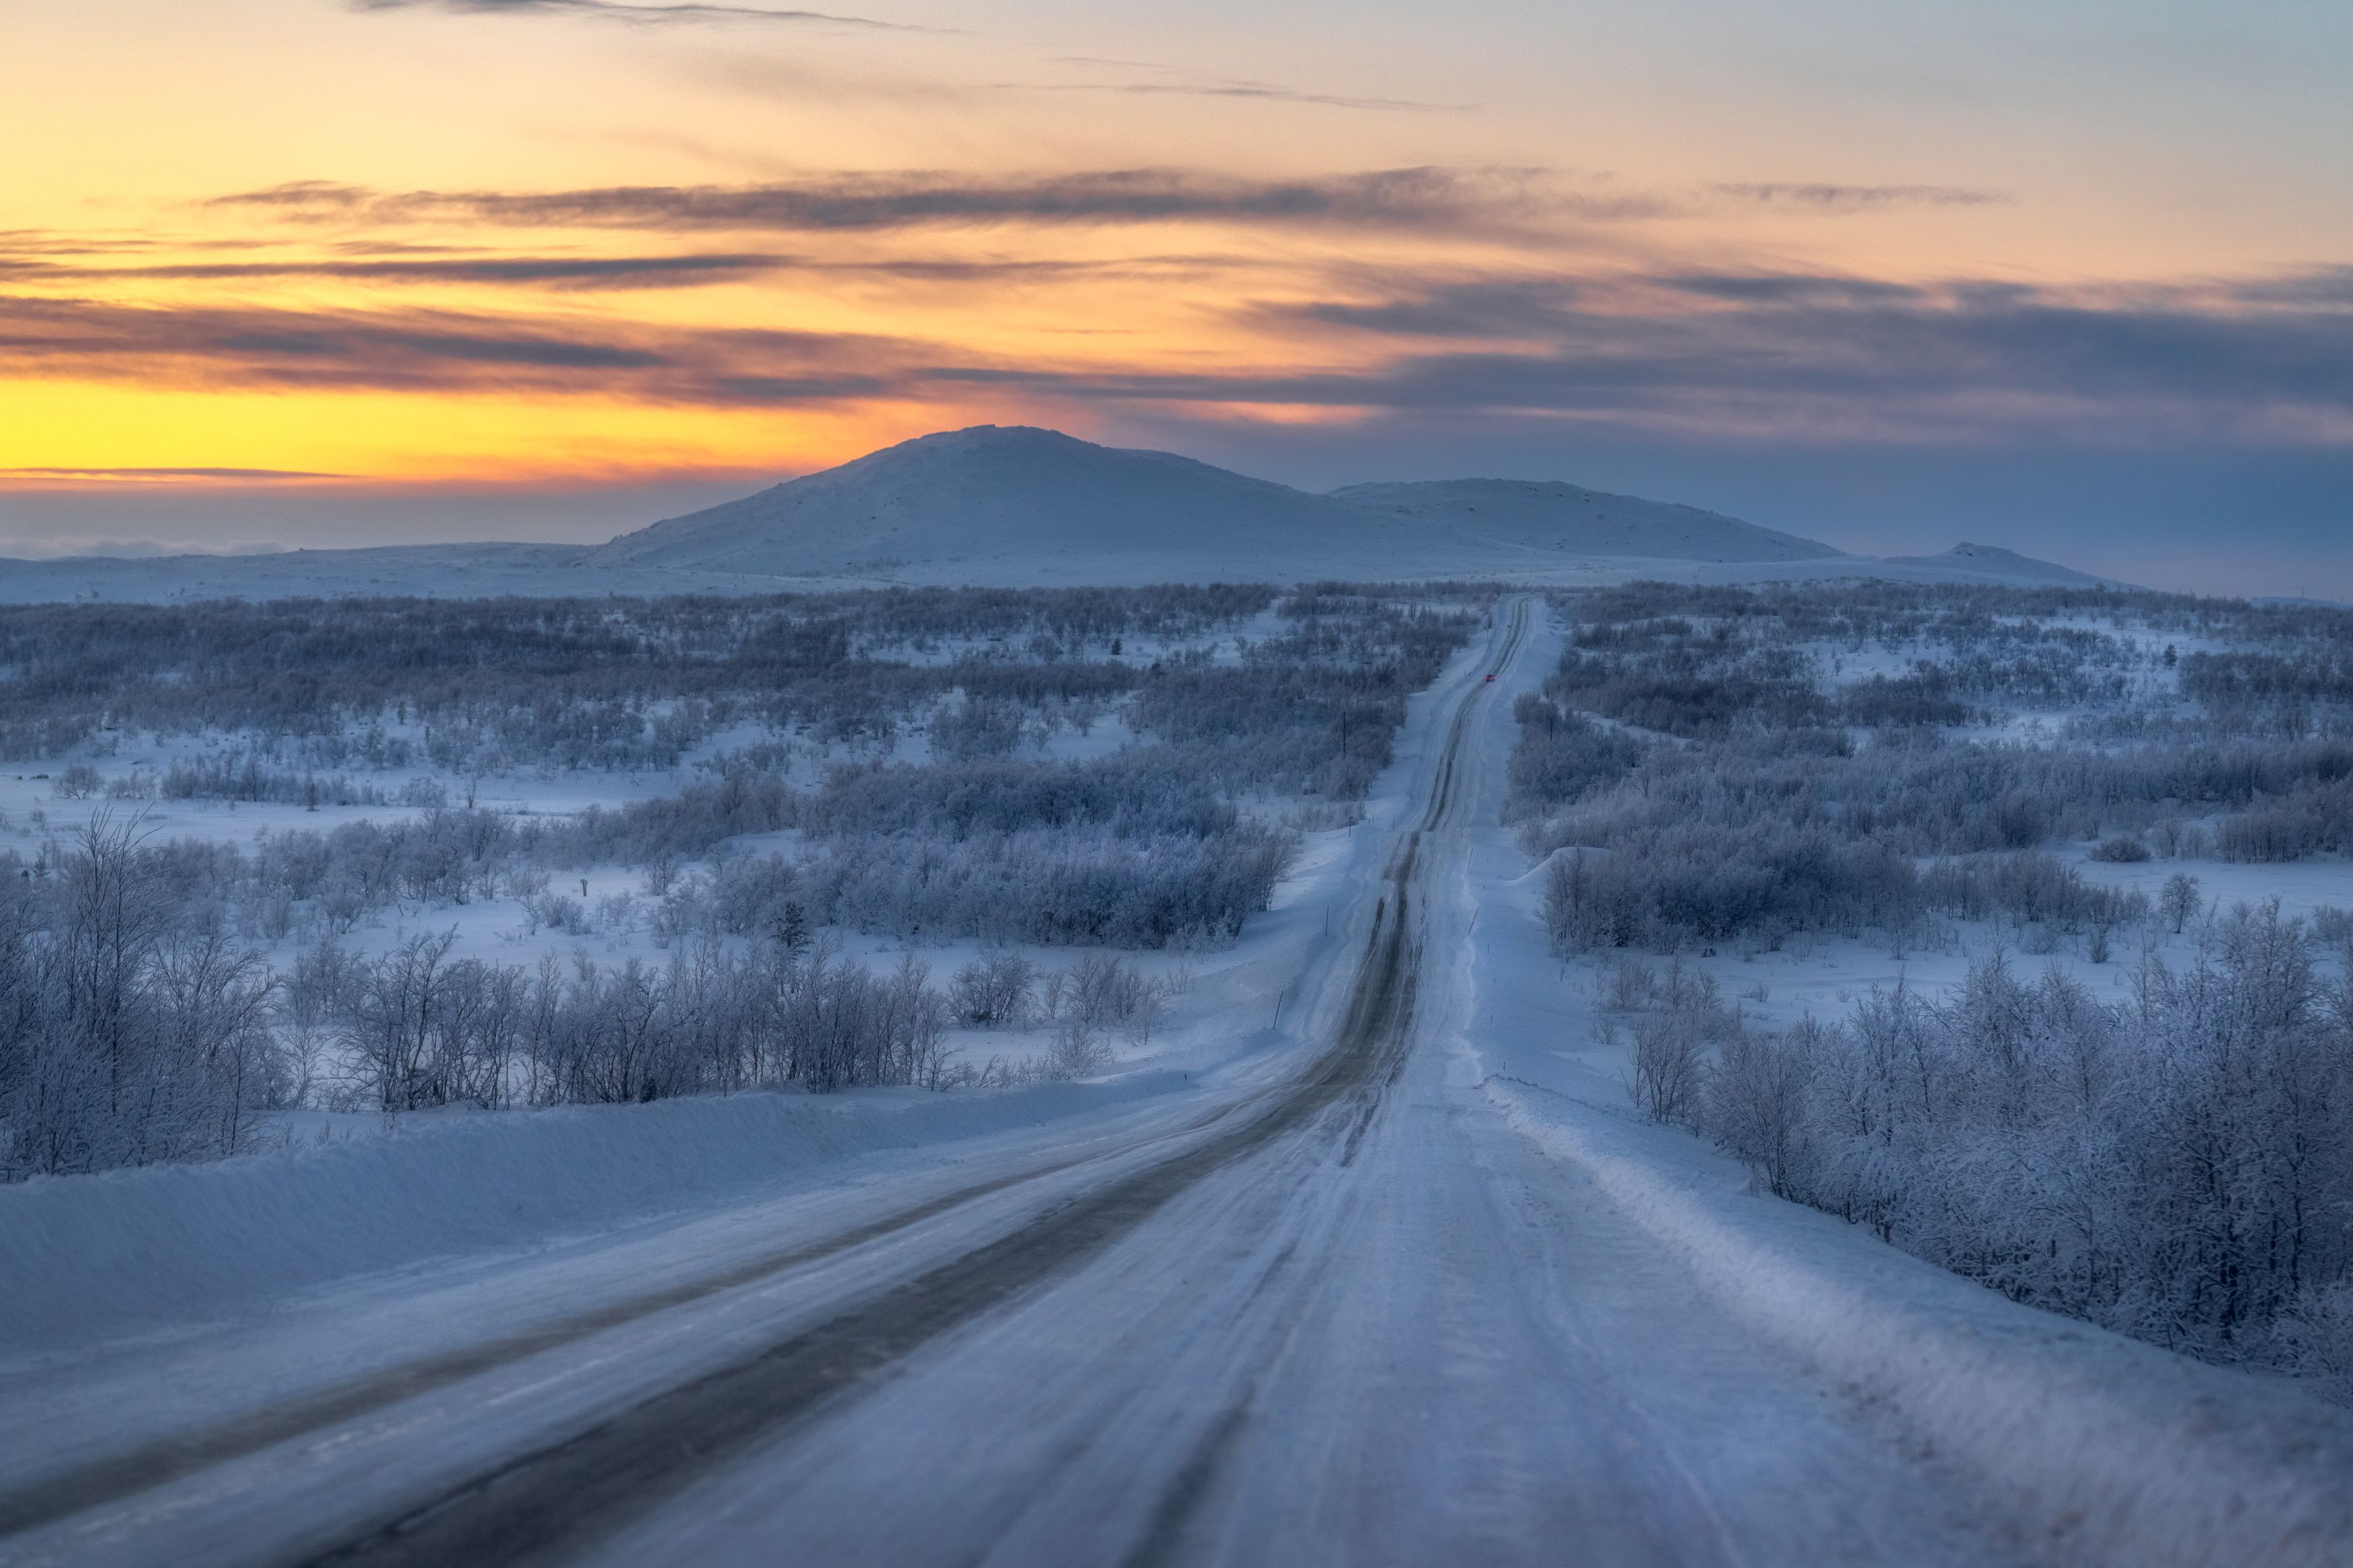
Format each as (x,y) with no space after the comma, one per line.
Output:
(1021,507)
(1013,497)
(1994,561)
(989,494)
(1552,516)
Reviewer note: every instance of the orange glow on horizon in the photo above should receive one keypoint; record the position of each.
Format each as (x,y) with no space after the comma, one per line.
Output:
(787,245)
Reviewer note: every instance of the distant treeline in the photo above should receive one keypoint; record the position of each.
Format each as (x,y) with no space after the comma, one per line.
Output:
(564,682)
(1145,846)
(1709,775)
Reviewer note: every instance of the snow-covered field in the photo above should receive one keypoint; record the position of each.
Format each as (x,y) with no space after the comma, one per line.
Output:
(1467,1307)
(615,900)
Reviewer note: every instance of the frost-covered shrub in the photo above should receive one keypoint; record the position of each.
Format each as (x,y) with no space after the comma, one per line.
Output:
(1560,756)
(557,912)
(2120,849)
(2314,819)
(1757,1102)
(977,727)
(247,776)
(1700,885)
(1085,888)
(1670,1042)
(424,1029)
(1314,708)
(2177,1166)
(996,991)
(1100,989)
(1078,1050)
(130,1032)
(78,782)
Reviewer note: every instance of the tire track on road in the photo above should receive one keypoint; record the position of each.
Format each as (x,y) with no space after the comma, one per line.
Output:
(542,1504)
(539,1506)
(151,1464)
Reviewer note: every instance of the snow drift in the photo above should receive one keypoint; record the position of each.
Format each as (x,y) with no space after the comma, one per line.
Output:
(82,1257)
(2121,1453)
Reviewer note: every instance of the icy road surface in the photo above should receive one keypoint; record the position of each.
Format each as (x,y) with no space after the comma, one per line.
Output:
(1403,1283)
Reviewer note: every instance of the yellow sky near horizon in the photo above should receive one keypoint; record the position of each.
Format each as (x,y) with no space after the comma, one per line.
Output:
(518,242)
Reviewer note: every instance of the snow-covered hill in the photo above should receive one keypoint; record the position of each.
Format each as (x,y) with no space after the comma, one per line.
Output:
(1023,505)
(1020,507)
(1993,561)
(1541,519)
(983,502)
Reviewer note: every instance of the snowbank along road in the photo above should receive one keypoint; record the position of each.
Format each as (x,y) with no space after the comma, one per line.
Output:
(1405,1285)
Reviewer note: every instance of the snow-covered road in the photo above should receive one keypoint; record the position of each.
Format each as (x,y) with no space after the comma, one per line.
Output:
(1407,1284)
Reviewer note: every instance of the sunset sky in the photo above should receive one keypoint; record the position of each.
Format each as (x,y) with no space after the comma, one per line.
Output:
(2076,279)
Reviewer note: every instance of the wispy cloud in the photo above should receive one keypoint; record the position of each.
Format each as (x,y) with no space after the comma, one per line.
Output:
(2326,286)
(164,476)
(35,259)
(1953,362)
(1427,198)
(1790,288)
(1508,308)
(1266,92)
(1822,198)
(304,197)
(560,272)
(634,14)
(1384,199)
(442,352)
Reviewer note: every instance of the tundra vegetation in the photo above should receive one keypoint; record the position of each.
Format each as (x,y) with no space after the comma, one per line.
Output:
(2138,1111)
(921,766)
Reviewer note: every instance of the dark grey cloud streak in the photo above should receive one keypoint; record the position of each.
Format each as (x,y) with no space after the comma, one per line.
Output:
(1714,353)
(1428,199)
(1956,363)
(443,352)
(40,259)
(1390,199)
(1832,358)
(556,272)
